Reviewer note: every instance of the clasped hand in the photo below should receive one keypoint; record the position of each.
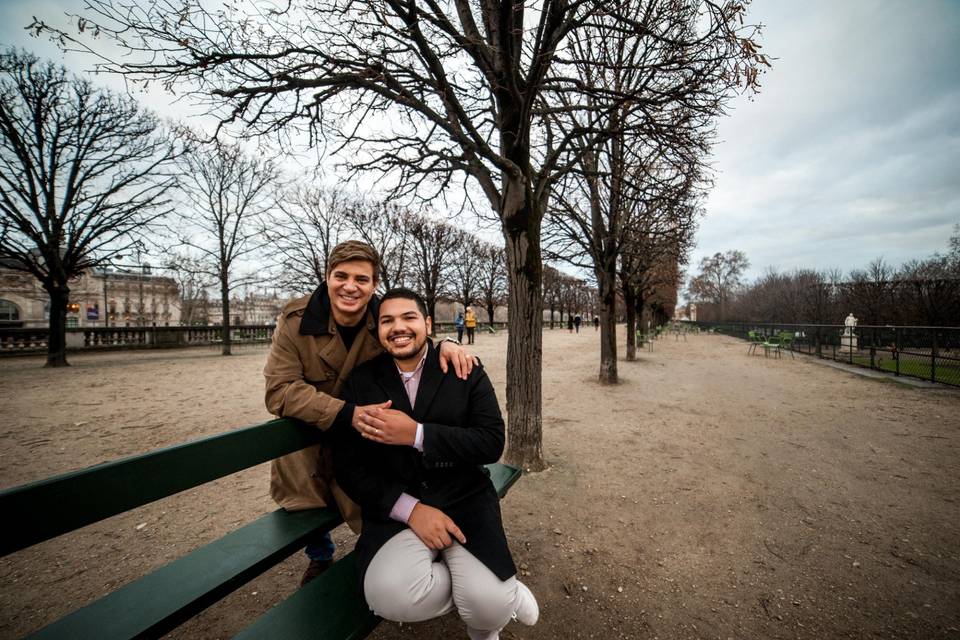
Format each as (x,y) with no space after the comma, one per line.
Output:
(380,423)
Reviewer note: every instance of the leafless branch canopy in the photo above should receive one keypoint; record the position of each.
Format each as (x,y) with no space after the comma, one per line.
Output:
(429,89)
(84,173)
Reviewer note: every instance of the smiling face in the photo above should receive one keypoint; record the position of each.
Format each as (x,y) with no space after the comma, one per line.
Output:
(403,330)
(351,285)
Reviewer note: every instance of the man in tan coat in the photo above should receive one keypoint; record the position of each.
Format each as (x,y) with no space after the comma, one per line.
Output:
(318,341)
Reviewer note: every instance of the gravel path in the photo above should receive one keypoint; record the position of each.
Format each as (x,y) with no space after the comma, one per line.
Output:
(710,495)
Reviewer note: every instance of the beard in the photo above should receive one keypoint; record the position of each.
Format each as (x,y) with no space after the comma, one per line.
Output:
(406,352)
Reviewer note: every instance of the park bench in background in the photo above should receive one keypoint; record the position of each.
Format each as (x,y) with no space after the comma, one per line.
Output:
(329,607)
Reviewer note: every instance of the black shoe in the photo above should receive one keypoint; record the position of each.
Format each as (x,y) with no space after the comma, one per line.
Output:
(314,569)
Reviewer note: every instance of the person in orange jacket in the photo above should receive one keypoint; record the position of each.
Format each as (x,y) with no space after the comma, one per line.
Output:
(470,319)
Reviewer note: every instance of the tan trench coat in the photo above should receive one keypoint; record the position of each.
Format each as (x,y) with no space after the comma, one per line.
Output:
(305,369)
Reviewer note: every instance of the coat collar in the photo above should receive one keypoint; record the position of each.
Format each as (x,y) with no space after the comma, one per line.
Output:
(318,319)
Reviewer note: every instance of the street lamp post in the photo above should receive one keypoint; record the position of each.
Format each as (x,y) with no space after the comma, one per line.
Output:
(106,300)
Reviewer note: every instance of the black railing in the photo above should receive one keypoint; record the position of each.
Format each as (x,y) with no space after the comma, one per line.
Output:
(930,353)
(34,341)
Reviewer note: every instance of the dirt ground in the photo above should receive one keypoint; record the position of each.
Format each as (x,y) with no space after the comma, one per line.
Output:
(711,494)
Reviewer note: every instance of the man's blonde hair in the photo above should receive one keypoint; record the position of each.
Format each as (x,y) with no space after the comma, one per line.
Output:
(354,250)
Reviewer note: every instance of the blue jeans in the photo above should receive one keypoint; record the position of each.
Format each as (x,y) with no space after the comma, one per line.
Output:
(320,547)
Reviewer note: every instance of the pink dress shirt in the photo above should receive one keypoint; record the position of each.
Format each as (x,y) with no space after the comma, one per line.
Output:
(404,505)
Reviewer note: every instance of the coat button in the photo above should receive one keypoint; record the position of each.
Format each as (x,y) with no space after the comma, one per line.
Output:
(423,485)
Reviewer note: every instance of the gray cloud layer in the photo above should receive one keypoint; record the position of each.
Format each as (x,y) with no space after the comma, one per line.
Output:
(852,150)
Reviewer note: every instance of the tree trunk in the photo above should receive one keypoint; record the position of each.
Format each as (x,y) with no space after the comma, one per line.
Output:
(490,311)
(225,309)
(432,312)
(643,318)
(629,301)
(606,280)
(521,232)
(57,339)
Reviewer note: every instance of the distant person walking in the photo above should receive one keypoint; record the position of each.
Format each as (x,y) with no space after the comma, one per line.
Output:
(570,324)
(459,324)
(471,323)
(596,323)
(577,321)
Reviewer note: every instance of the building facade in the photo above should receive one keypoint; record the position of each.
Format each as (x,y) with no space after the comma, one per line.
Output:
(252,309)
(98,298)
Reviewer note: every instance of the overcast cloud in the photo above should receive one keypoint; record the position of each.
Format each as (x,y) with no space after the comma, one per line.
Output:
(852,149)
(850,152)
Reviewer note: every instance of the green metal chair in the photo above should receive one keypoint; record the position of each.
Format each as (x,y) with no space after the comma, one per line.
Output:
(771,344)
(786,341)
(755,341)
(644,339)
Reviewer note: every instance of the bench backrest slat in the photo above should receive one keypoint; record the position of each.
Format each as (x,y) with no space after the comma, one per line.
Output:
(48,508)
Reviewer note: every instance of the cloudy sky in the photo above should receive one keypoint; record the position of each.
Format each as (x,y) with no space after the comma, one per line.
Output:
(851,151)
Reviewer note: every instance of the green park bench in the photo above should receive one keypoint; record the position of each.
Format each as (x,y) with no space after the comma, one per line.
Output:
(330,607)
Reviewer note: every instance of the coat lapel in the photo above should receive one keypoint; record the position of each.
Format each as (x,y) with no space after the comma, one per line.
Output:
(389,380)
(430,381)
(334,352)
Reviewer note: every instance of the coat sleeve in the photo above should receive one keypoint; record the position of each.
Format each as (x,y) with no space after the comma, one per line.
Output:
(479,441)
(288,394)
(361,469)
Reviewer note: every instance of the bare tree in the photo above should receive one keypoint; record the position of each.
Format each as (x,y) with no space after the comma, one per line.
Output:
(381,225)
(466,260)
(307,224)
(552,286)
(465,83)
(657,243)
(642,153)
(870,292)
(493,278)
(431,249)
(719,278)
(194,285)
(83,175)
(230,192)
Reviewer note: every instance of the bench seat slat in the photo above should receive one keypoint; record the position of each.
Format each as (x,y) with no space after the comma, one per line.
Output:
(52,507)
(158,602)
(331,606)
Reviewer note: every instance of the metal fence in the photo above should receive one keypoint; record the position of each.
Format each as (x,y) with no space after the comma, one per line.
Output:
(34,341)
(930,353)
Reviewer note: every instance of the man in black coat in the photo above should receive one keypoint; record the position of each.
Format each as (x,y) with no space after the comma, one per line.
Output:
(417,473)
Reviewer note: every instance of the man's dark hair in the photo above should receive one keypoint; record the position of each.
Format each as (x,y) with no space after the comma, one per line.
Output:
(406,294)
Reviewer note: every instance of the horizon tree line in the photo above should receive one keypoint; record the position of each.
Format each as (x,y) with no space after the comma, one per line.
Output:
(920,292)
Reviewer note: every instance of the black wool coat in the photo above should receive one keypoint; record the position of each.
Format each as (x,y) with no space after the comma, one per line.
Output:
(462,430)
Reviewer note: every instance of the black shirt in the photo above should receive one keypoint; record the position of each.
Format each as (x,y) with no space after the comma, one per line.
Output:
(349,334)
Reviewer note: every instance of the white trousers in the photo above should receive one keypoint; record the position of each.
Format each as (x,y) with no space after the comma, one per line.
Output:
(409,582)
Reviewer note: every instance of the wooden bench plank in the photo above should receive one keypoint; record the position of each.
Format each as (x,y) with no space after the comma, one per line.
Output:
(51,507)
(158,602)
(331,606)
